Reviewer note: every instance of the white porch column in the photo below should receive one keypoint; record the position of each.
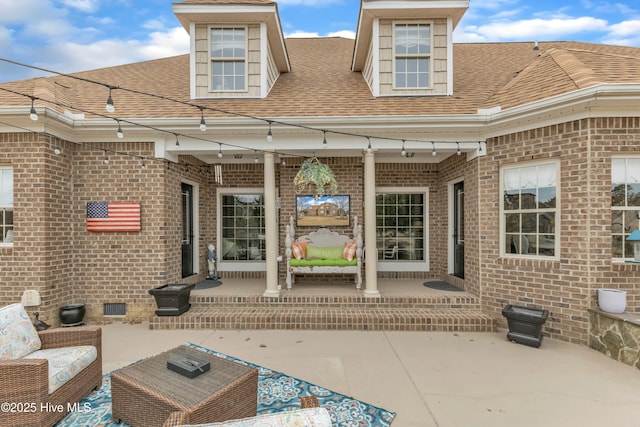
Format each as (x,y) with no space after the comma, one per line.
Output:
(370,250)
(270,226)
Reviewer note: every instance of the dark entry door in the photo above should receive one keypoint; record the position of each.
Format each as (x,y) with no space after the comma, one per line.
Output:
(187,230)
(458,230)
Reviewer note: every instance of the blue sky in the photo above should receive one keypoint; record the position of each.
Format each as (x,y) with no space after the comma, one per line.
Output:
(77,35)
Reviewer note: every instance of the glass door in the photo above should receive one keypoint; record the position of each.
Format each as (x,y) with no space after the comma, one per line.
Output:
(458,230)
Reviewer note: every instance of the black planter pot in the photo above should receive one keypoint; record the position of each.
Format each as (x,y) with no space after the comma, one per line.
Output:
(525,324)
(172,300)
(72,314)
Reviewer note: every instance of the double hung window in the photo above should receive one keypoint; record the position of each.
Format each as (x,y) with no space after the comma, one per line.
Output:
(242,233)
(530,210)
(625,204)
(412,55)
(400,229)
(228,59)
(6,205)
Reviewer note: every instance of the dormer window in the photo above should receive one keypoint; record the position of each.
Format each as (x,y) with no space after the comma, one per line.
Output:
(229,59)
(412,55)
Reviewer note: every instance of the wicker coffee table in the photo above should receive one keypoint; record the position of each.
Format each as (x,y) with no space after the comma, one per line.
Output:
(146,393)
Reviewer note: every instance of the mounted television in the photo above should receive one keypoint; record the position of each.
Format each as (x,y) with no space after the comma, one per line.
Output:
(324,211)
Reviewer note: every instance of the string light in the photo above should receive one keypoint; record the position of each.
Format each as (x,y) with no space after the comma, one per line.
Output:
(433,149)
(203,124)
(458,152)
(110,107)
(403,153)
(324,139)
(177,142)
(255,157)
(33,115)
(119,133)
(105,160)
(143,165)
(220,151)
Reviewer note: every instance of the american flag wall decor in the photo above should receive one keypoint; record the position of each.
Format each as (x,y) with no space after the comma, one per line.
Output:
(113,216)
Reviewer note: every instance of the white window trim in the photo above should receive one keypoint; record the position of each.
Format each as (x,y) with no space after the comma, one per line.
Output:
(3,244)
(402,266)
(222,265)
(211,59)
(557,218)
(395,55)
(622,156)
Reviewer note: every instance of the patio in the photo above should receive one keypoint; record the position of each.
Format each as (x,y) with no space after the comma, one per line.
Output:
(429,378)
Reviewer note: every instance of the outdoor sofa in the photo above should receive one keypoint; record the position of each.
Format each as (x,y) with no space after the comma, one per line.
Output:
(43,375)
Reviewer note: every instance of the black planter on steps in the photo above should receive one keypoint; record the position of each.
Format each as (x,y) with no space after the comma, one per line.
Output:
(172,300)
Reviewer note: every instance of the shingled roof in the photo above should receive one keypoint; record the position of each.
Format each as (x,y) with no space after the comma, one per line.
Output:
(321,83)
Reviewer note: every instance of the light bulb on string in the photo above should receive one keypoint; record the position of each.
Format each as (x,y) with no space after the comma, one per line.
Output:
(403,153)
(143,165)
(220,151)
(369,146)
(203,124)
(324,139)
(110,107)
(105,160)
(119,132)
(433,149)
(33,115)
(177,142)
(255,158)
(479,147)
(458,152)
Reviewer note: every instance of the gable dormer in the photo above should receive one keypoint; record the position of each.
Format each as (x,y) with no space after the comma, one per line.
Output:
(405,47)
(237,48)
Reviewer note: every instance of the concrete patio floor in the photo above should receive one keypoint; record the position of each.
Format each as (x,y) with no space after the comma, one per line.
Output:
(429,379)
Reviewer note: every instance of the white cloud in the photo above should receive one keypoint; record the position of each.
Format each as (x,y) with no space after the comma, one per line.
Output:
(347,34)
(87,6)
(312,3)
(533,29)
(625,28)
(301,35)
(163,44)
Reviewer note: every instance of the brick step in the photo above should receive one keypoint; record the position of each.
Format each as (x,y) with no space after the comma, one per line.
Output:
(463,301)
(327,318)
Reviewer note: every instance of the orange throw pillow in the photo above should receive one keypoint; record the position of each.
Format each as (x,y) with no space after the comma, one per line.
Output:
(299,250)
(349,251)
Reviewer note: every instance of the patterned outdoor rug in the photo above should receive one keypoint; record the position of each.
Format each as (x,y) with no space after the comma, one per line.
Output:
(277,392)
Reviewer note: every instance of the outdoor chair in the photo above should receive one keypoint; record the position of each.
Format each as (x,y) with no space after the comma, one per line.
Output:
(44,374)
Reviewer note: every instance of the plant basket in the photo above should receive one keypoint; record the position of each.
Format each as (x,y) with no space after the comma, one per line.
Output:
(525,324)
(172,299)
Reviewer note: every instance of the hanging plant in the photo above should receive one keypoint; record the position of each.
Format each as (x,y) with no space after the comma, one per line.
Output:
(316,177)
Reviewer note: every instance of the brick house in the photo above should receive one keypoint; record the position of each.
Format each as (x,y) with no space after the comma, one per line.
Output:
(510,169)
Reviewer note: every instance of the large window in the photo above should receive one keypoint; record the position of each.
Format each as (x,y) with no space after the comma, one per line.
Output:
(412,53)
(400,229)
(625,204)
(6,205)
(228,59)
(529,210)
(242,227)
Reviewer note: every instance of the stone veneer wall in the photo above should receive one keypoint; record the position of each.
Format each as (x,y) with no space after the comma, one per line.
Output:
(617,336)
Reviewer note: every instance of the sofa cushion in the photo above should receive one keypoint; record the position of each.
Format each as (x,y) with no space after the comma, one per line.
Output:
(323,262)
(65,362)
(308,417)
(315,252)
(18,336)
